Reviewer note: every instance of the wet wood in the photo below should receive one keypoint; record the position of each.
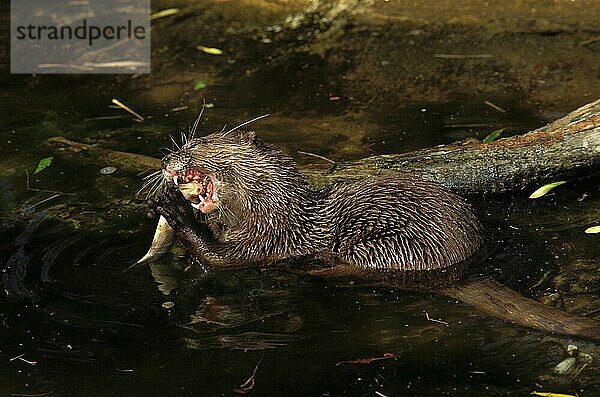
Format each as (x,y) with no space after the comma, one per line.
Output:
(565,148)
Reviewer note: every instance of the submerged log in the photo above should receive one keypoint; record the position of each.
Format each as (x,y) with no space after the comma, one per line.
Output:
(565,148)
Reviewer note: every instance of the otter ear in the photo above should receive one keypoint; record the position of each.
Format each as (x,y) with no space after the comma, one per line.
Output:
(248,137)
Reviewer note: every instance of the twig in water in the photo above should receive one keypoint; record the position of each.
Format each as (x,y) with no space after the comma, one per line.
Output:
(492,105)
(43,201)
(104,118)
(434,320)
(367,360)
(317,156)
(245,387)
(589,41)
(179,108)
(462,56)
(128,109)
(20,357)
(468,125)
(43,190)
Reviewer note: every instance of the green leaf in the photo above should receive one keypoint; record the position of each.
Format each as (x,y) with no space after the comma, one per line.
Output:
(164,13)
(545,189)
(593,230)
(209,105)
(493,136)
(210,50)
(200,85)
(45,162)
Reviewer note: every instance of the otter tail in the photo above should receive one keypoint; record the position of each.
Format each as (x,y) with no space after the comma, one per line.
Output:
(500,301)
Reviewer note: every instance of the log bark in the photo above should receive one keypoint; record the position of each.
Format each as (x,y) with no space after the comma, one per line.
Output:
(565,148)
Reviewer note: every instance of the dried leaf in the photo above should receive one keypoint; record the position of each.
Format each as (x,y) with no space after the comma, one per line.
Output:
(593,230)
(545,189)
(210,50)
(544,394)
(164,13)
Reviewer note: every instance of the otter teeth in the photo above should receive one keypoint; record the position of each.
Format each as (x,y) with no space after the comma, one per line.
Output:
(197,205)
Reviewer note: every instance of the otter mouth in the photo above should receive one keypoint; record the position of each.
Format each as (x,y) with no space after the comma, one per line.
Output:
(198,188)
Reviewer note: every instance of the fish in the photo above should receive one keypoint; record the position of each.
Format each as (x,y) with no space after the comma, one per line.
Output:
(163,240)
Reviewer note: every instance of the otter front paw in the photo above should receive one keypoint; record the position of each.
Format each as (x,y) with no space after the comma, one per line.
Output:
(175,209)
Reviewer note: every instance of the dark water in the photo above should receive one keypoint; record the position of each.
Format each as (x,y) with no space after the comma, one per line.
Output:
(93,330)
(73,323)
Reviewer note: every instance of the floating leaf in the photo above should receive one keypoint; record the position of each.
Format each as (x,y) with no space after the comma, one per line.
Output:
(210,50)
(108,170)
(545,189)
(493,136)
(200,85)
(544,394)
(593,230)
(164,13)
(168,305)
(209,105)
(43,164)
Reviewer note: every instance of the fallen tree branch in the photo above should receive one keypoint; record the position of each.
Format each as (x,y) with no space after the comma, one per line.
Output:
(564,148)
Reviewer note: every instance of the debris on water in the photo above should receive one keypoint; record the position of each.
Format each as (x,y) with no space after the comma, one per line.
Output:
(574,364)
(493,136)
(168,305)
(593,230)
(108,170)
(164,13)
(545,189)
(200,85)
(434,320)
(179,108)
(210,50)
(20,357)
(43,164)
(494,106)
(128,109)
(247,386)
(566,366)
(369,360)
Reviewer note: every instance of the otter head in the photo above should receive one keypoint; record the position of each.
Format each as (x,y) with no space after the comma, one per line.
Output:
(227,171)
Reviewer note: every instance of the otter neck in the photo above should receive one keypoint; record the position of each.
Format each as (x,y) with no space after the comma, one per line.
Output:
(288,223)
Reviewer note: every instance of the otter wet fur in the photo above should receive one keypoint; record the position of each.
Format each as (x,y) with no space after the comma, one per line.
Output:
(236,201)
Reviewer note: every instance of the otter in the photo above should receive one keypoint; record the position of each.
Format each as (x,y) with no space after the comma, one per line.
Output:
(259,207)
(235,201)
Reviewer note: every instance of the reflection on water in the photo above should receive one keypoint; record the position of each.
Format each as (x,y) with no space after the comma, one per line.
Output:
(73,311)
